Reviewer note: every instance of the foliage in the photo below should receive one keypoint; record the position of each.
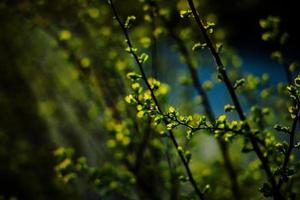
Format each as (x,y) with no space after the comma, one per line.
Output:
(102,100)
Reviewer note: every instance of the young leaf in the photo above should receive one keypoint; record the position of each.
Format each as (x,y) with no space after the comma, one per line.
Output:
(143,58)
(129,21)
(188,156)
(198,46)
(228,108)
(180,149)
(183,178)
(297,81)
(185,13)
(281,128)
(130,50)
(239,83)
(206,189)
(219,47)
(277,56)
(133,76)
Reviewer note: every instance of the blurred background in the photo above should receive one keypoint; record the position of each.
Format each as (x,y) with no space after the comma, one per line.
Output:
(62,83)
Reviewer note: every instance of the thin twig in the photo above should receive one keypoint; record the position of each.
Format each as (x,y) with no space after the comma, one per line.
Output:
(291,145)
(222,71)
(144,77)
(207,107)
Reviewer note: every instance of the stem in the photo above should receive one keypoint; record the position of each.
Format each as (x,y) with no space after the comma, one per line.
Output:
(207,108)
(144,77)
(290,148)
(222,71)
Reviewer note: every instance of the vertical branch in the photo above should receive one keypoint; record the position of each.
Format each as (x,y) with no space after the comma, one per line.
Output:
(206,106)
(144,77)
(291,144)
(226,80)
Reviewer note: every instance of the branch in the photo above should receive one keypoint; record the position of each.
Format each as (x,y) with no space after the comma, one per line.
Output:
(222,71)
(144,77)
(291,145)
(207,107)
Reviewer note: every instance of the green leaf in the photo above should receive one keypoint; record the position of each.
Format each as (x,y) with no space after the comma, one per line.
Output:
(183,178)
(228,108)
(281,128)
(239,83)
(293,66)
(171,109)
(65,35)
(207,85)
(209,25)
(206,189)
(263,23)
(188,156)
(271,22)
(198,46)
(129,21)
(267,36)
(133,76)
(130,99)
(143,58)
(185,13)
(135,86)
(180,149)
(297,145)
(189,134)
(221,119)
(297,81)
(277,56)
(171,125)
(293,112)
(219,47)
(131,50)
(210,30)
(158,119)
